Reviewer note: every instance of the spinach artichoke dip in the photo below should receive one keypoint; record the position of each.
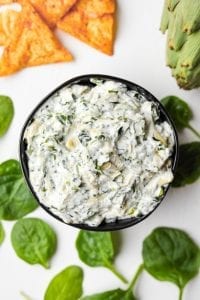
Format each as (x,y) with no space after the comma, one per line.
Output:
(99,153)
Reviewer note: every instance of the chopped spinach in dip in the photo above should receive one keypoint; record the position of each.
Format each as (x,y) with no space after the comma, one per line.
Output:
(99,153)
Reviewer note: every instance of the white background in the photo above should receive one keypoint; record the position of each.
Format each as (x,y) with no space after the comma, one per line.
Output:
(139,57)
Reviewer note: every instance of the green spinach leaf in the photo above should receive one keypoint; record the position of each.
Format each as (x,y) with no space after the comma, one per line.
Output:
(117,294)
(34,241)
(15,198)
(67,285)
(171,255)
(6,114)
(180,113)
(188,169)
(2,233)
(96,249)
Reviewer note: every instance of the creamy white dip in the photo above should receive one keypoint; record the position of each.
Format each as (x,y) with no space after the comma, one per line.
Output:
(99,153)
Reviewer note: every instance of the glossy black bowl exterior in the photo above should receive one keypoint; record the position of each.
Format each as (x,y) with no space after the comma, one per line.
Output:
(85,80)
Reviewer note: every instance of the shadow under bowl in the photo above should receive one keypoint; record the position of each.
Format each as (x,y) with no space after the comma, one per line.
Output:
(85,80)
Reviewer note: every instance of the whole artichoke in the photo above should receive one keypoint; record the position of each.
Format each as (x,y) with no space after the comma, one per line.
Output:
(182,19)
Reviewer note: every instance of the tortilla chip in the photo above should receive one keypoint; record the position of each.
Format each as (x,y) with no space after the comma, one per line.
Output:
(31,43)
(98,32)
(6,1)
(96,8)
(52,11)
(8,19)
(2,34)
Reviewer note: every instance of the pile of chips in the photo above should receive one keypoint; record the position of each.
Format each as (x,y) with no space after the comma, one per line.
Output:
(28,35)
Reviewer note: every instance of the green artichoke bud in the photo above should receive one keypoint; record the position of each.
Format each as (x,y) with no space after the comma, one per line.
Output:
(182,20)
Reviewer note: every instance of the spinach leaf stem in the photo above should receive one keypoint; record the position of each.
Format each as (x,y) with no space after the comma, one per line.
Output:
(193,130)
(136,276)
(113,269)
(180,294)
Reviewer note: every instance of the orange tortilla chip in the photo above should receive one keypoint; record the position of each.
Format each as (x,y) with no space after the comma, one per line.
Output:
(2,34)
(31,43)
(96,8)
(52,11)
(8,19)
(98,32)
(6,1)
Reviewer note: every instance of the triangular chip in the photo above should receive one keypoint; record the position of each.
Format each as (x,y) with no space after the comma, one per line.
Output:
(96,8)
(95,29)
(52,11)
(8,19)
(31,43)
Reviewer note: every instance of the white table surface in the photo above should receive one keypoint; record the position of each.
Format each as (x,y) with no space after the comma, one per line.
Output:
(139,57)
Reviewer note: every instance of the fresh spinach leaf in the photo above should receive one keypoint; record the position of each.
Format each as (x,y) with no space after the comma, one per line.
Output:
(34,241)
(188,169)
(67,285)
(171,255)
(180,113)
(15,198)
(2,233)
(96,249)
(117,294)
(6,114)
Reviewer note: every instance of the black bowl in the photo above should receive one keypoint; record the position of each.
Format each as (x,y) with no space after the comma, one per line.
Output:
(84,79)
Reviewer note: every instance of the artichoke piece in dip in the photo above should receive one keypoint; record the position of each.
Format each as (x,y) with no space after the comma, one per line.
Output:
(99,153)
